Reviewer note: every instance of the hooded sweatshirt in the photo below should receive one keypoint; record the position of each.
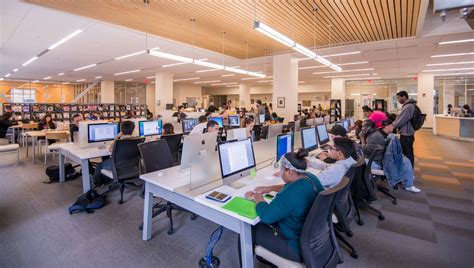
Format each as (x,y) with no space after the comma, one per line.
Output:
(403,122)
(331,174)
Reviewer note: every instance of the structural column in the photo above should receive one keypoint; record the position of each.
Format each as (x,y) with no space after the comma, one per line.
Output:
(338,92)
(285,86)
(163,91)
(425,97)
(150,97)
(107,91)
(244,96)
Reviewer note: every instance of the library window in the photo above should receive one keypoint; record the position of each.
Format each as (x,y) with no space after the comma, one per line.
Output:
(23,95)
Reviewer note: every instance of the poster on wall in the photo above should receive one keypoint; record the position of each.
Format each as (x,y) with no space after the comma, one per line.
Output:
(281,102)
(306,103)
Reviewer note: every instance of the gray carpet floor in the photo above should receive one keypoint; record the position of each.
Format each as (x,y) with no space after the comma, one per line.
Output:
(434,228)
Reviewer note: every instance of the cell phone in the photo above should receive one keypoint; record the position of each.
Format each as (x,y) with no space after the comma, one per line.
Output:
(218,196)
(269,196)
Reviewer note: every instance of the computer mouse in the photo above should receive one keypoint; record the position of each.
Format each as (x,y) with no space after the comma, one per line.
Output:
(160,173)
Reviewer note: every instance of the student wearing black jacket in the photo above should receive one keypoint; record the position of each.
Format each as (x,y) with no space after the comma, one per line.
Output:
(5,123)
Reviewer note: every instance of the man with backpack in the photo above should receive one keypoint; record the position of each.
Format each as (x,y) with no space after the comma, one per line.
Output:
(407,122)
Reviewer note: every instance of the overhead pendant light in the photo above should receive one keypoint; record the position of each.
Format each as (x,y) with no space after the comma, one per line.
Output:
(130,55)
(36,81)
(46,78)
(8,74)
(98,77)
(169,56)
(128,72)
(346,71)
(128,80)
(30,60)
(186,79)
(207,82)
(452,55)
(15,70)
(456,42)
(81,80)
(444,70)
(60,74)
(270,32)
(85,67)
(76,32)
(450,63)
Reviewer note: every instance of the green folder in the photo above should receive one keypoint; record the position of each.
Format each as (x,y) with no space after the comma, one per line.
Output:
(241,206)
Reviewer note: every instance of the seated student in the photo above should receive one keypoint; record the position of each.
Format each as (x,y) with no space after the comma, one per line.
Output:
(199,128)
(249,125)
(5,123)
(371,139)
(358,128)
(47,123)
(74,126)
(286,214)
(168,129)
(377,117)
(331,174)
(338,131)
(211,126)
(405,169)
(126,131)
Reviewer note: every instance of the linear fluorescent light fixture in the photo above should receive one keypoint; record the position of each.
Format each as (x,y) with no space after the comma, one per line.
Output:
(346,71)
(209,64)
(130,55)
(452,55)
(264,81)
(128,80)
(46,78)
(36,81)
(342,54)
(169,56)
(450,63)
(275,35)
(30,60)
(76,32)
(98,77)
(8,74)
(454,74)
(444,70)
(81,80)
(253,78)
(207,82)
(60,74)
(85,67)
(128,72)
(227,75)
(456,42)
(15,70)
(347,75)
(186,79)
(224,84)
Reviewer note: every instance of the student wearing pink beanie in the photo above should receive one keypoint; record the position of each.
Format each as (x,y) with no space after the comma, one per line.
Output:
(377,117)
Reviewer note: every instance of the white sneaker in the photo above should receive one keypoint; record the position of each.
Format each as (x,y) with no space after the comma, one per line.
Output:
(412,189)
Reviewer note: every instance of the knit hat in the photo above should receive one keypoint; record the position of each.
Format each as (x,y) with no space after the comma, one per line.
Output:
(377,117)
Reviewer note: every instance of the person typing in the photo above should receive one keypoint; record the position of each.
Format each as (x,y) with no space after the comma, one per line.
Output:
(331,174)
(282,220)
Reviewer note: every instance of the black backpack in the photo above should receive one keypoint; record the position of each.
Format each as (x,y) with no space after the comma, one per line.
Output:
(418,118)
(88,202)
(70,173)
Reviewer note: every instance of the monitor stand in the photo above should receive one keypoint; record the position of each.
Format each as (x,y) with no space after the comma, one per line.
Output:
(234,180)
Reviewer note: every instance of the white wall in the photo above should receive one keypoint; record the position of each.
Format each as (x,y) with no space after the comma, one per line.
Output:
(181,91)
(150,97)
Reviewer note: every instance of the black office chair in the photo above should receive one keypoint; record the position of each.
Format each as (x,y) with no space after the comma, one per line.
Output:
(264,132)
(344,209)
(125,163)
(281,119)
(257,129)
(156,156)
(318,241)
(377,175)
(174,144)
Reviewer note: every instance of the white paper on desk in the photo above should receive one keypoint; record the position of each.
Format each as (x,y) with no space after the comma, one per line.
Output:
(237,157)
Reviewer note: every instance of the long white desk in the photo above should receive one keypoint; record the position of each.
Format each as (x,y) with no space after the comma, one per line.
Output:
(81,156)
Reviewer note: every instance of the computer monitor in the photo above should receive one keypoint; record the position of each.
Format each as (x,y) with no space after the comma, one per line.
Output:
(274,130)
(233,120)
(237,134)
(351,122)
(308,138)
(218,120)
(188,124)
(310,122)
(150,128)
(261,118)
(345,124)
(194,145)
(285,144)
(323,135)
(297,126)
(102,132)
(235,156)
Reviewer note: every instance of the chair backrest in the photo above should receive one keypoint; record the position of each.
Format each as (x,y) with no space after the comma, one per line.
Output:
(319,245)
(56,135)
(156,155)
(343,205)
(174,142)
(375,152)
(126,159)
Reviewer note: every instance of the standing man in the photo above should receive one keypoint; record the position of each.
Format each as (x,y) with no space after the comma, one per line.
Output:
(260,108)
(404,125)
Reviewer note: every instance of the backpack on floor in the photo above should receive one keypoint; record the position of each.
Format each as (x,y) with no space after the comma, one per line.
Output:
(88,202)
(70,173)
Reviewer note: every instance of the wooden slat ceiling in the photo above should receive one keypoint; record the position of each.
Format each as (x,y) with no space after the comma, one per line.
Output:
(338,22)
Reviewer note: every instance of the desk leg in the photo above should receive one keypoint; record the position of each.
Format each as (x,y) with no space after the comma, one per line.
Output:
(13,136)
(62,158)
(147,213)
(86,180)
(246,244)
(33,141)
(26,137)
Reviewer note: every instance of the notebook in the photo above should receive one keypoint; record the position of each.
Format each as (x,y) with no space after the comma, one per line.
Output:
(241,206)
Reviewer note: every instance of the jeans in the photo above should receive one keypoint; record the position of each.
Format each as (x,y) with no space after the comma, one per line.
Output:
(105,164)
(407,178)
(407,148)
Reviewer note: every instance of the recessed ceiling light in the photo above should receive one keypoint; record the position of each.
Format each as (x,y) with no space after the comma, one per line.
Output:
(130,55)
(186,79)
(128,80)
(346,71)
(65,83)
(227,75)
(207,82)
(98,77)
(60,74)
(8,74)
(450,63)
(452,55)
(81,80)
(85,67)
(36,81)
(46,78)
(264,81)
(223,84)
(1,78)
(30,61)
(76,32)
(128,72)
(15,70)
(254,78)
(454,74)
(347,75)
(342,54)
(456,42)
(444,70)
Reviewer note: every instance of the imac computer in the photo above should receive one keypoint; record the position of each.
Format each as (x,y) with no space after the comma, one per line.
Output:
(274,130)
(102,132)
(233,121)
(310,122)
(318,121)
(195,145)
(345,124)
(323,136)
(297,126)
(218,120)
(188,124)
(237,134)
(351,122)
(285,144)
(236,159)
(309,141)
(150,128)
(261,119)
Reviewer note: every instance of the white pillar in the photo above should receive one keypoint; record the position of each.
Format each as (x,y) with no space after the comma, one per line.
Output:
(425,97)
(338,92)
(244,96)
(163,91)
(107,92)
(150,97)
(285,85)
